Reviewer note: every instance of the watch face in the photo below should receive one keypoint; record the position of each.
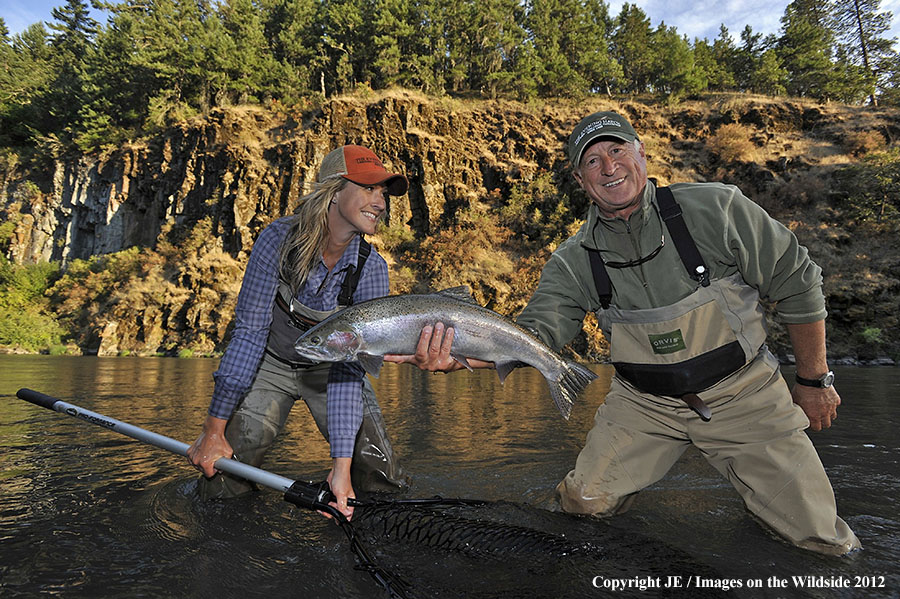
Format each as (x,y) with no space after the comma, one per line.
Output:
(828,379)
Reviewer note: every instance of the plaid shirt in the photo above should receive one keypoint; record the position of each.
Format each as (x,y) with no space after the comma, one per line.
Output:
(253,316)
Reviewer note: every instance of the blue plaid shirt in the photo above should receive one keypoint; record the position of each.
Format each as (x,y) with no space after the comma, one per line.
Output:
(253,316)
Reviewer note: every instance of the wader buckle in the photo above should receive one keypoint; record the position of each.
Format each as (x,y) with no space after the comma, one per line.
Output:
(698,405)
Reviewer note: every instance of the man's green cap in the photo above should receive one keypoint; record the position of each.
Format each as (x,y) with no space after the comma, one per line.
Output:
(599,124)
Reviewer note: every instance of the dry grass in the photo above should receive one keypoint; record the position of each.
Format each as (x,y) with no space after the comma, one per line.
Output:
(859,143)
(732,143)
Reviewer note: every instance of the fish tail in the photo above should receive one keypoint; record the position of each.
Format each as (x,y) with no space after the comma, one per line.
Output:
(568,385)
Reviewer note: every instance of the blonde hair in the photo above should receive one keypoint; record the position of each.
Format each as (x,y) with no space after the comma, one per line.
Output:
(308,236)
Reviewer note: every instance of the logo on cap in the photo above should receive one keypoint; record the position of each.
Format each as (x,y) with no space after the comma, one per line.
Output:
(591,127)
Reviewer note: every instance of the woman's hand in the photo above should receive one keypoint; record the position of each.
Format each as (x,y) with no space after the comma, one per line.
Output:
(210,446)
(339,481)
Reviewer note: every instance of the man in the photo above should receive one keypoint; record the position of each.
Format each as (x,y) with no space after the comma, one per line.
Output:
(675,279)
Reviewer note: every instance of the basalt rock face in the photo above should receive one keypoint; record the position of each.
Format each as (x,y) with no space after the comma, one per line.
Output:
(193,200)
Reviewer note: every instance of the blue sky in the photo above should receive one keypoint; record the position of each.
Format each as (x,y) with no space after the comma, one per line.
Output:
(694,18)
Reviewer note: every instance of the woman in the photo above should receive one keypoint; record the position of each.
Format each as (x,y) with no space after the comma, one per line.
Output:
(303,268)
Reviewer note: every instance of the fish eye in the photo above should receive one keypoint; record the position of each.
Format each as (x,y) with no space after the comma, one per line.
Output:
(315,339)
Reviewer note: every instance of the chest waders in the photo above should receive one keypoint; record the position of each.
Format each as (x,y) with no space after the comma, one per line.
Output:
(686,347)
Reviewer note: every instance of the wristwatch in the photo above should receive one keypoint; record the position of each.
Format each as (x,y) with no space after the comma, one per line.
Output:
(823,382)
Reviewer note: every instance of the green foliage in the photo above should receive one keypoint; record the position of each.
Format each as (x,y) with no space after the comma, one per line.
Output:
(82,85)
(536,212)
(870,190)
(25,320)
(872,335)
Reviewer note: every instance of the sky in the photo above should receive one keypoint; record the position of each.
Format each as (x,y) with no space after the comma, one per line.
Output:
(694,18)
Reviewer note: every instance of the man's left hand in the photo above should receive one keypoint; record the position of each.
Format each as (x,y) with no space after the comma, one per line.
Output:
(820,405)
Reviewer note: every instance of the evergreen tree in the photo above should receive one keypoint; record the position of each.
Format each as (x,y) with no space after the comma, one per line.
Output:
(715,62)
(769,77)
(593,54)
(553,28)
(725,55)
(805,47)
(496,33)
(347,30)
(673,71)
(402,54)
(861,28)
(72,45)
(294,31)
(252,71)
(632,48)
(747,58)
(25,76)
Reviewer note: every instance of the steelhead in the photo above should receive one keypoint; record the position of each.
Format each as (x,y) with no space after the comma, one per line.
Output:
(365,332)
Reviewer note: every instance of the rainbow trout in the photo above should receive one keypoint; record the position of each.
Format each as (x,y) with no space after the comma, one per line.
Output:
(365,332)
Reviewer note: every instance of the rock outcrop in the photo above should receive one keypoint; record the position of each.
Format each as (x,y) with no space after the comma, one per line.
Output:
(194,198)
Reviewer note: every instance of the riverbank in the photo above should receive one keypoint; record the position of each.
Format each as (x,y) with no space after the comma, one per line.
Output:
(152,238)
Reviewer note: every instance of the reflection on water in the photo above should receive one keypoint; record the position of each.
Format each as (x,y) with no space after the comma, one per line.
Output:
(87,512)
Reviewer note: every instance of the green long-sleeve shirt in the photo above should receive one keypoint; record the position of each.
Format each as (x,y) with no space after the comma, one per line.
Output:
(732,233)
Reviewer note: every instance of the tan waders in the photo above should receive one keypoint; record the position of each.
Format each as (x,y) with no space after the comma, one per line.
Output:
(755,438)
(261,416)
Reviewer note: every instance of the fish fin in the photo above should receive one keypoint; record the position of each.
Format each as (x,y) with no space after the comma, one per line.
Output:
(462,293)
(461,359)
(371,363)
(504,368)
(570,383)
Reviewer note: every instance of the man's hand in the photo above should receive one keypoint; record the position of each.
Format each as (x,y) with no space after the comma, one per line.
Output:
(433,352)
(820,405)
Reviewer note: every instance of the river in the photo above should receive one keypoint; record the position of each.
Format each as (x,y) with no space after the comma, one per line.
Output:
(86,512)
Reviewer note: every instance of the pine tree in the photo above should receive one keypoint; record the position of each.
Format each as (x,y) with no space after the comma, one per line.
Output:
(25,75)
(347,30)
(861,28)
(632,48)
(593,55)
(294,33)
(551,24)
(72,44)
(252,71)
(769,76)
(673,71)
(806,46)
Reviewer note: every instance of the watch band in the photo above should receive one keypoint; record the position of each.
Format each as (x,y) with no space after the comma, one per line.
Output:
(826,380)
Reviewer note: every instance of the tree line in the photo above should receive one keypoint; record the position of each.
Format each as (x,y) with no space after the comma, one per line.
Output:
(75,82)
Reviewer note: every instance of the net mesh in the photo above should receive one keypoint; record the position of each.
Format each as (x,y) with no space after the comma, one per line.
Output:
(441,530)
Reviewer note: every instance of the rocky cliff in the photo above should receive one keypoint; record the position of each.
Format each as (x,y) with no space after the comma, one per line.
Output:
(155,234)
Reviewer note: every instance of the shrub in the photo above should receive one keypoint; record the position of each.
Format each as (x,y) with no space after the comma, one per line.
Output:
(863,142)
(870,190)
(732,143)
(25,320)
(871,335)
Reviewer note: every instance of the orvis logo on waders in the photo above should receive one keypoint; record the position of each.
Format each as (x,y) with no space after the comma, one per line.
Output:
(667,343)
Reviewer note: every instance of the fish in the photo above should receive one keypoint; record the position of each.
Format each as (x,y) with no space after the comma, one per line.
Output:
(392,324)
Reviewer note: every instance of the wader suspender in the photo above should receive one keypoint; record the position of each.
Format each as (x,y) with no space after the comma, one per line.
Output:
(684,243)
(348,288)
(302,322)
(351,280)
(690,257)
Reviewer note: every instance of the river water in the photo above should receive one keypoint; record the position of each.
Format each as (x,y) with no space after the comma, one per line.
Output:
(86,512)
